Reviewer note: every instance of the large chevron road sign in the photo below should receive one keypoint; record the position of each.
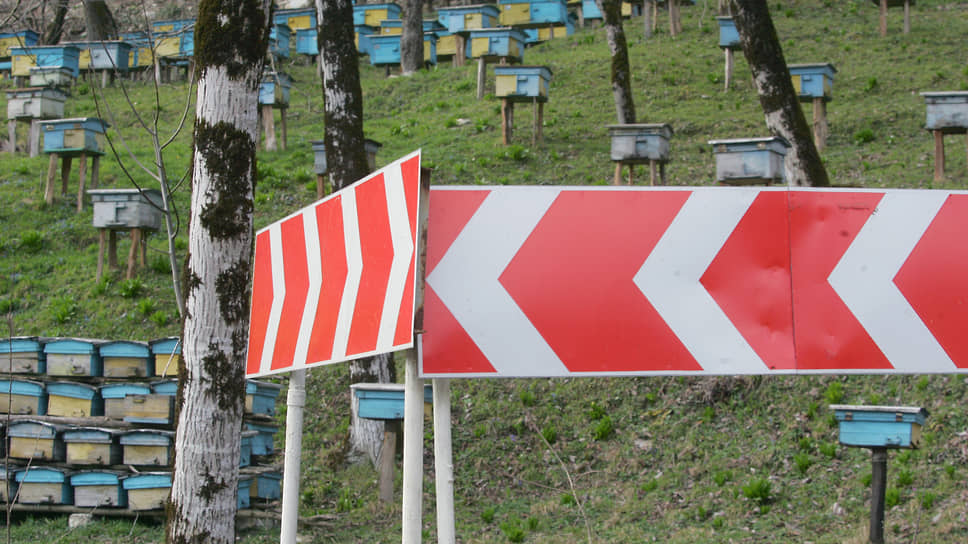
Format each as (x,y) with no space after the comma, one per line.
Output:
(335,281)
(552,281)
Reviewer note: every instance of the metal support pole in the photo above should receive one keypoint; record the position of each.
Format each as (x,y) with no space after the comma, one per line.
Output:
(295,401)
(878,487)
(412,451)
(444,463)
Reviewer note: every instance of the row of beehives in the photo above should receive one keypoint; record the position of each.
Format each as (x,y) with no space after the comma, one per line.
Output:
(40,485)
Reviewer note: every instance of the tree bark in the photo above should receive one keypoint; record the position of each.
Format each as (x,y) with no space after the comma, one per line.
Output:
(781,106)
(100,22)
(618,46)
(231,38)
(55,29)
(411,42)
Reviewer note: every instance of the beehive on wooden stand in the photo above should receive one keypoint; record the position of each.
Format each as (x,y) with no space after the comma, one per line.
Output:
(147,490)
(884,4)
(30,105)
(814,83)
(138,211)
(73,357)
(114,395)
(92,446)
(167,353)
(65,139)
(109,58)
(640,144)
(72,399)
(244,495)
(728,42)
(174,43)
(23,397)
(146,447)
(947,113)
(98,488)
(744,161)
(320,168)
(458,21)
(22,59)
(37,440)
(43,485)
(22,355)
(522,84)
(274,95)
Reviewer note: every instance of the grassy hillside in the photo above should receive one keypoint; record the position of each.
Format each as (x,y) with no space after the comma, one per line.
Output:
(618,460)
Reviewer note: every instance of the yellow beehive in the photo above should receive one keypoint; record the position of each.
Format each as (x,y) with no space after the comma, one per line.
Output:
(447,45)
(515,14)
(20,65)
(168,46)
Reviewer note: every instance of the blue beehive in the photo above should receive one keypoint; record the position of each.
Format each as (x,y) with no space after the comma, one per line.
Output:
(173,25)
(92,446)
(947,111)
(165,387)
(385,49)
(728,35)
(49,56)
(640,143)
(813,80)
(20,38)
(103,55)
(23,397)
(24,354)
(374,14)
(384,400)
(459,18)
(522,83)
(97,488)
(114,395)
(279,36)
(146,447)
(245,449)
(43,485)
(496,43)
(126,359)
(71,399)
(548,31)
(262,440)
(750,160)
(245,491)
(74,136)
(38,440)
(141,54)
(363,35)
(260,397)
(73,356)
(590,10)
(306,42)
(521,13)
(395,26)
(266,485)
(147,490)
(297,19)
(880,426)
(274,89)
(167,354)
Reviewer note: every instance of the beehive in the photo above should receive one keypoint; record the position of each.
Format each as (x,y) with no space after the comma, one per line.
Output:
(156,408)
(52,56)
(458,18)
(374,14)
(522,13)
(245,492)
(36,440)
(147,490)
(103,55)
(146,447)
(266,485)
(92,446)
(72,136)
(306,41)
(35,103)
(640,143)
(496,43)
(71,399)
(51,76)
(22,355)
(297,18)
(750,160)
(167,353)
(274,89)
(279,36)
(165,387)
(124,358)
(245,449)
(260,397)
(522,83)
(173,25)
(319,156)
(813,80)
(947,111)
(262,441)
(20,38)
(385,50)
(114,395)
(127,209)
(23,397)
(72,357)
(98,488)
(880,426)
(141,54)
(728,35)
(43,485)
(547,32)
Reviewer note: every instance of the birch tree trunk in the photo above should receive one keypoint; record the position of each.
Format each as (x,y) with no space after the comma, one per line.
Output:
(411,42)
(781,105)
(346,161)
(100,22)
(231,37)
(618,46)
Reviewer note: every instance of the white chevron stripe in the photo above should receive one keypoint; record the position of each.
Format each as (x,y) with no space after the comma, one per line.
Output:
(864,279)
(402,255)
(670,276)
(354,266)
(314,269)
(467,281)
(278,296)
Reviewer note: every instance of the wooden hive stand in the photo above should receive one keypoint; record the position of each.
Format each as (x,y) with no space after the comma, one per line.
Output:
(947,113)
(814,83)
(522,84)
(133,210)
(640,144)
(884,4)
(274,95)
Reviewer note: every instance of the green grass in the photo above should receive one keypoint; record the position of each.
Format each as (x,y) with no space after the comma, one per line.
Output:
(650,459)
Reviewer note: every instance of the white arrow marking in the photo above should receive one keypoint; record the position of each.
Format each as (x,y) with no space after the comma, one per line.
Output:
(670,276)
(467,281)
(278,297)
(864,280)
(314,269)
(354,269)
(402,255)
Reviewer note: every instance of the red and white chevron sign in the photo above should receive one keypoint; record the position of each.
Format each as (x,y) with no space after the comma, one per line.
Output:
(550,281)
(335,281)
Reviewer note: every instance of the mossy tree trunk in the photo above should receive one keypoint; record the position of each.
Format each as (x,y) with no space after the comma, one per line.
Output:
(346,161)
(411,42)
(618,46)
(231,37)
(781,105)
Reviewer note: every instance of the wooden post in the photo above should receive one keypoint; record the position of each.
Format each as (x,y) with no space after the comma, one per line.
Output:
(631,172)
(506,115)
(82,178)
(878,488)
(662,173)
(581,16)
(270,127)
(481,71)
(105,78)
(12,136)
(907,16)
(34,144)
(113,249)
(320,185)
(729,67)
(675,25)
(133,252)
(51,173)
(460,45)
(883,18)
(282,114)
(65,173)
(653,164)
(95,170)
(820,123)
(388,453)
(938,155)
(101,235)
(617,178)
(648,23)
(655,15)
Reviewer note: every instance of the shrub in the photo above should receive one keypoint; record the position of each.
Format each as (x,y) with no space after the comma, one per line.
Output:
(159,318)
(834,393)
(892,497)
(63,309)
(595,412)
(722,477)
(146,306)
(549,433)
(905,478)
(758,490)
(527,397)
(31,241)
(863,136)
(828,449)
(603,429)
(131,288)
(927,500)
(513,530)
(803,462)
(487,516)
